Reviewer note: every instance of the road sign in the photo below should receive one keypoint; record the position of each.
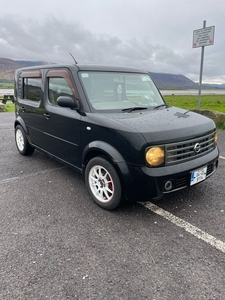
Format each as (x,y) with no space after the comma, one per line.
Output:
(203,37)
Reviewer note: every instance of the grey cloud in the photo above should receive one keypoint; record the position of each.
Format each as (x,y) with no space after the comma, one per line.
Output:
(53,40)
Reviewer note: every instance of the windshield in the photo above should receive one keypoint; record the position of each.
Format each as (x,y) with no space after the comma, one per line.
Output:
(120,91)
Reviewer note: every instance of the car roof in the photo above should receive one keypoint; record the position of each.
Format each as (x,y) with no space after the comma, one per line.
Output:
(78,67)
(107,68)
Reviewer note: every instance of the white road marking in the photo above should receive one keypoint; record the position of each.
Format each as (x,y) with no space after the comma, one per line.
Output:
(222,157)
(187,226)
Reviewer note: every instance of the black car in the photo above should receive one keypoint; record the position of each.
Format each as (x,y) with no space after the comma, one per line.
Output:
(113,125)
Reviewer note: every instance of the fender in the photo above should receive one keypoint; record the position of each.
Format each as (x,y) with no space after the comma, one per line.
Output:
(117,159)
(109,150)
(20,121)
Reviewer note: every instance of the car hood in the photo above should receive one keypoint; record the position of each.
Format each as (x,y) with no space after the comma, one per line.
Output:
(165,124)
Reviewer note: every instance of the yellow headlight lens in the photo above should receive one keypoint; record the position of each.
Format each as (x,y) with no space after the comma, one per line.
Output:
(155,156)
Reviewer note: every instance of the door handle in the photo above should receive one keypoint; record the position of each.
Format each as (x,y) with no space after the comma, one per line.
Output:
(23,109)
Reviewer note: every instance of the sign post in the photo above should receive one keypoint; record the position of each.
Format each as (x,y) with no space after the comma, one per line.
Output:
(201,38)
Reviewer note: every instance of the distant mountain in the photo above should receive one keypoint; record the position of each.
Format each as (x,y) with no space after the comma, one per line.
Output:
(8,67)
(170,81)
(162,80)
(213,86)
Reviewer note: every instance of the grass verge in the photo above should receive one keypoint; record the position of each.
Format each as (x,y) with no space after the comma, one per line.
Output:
(9,107)
(190,102)
(221,126)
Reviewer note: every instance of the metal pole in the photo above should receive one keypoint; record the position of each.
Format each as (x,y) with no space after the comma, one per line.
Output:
(201,70)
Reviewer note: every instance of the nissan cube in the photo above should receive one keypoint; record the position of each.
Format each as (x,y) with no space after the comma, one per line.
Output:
(112,125)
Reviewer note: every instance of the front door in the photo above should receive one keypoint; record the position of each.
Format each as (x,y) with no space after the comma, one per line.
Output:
(61,124)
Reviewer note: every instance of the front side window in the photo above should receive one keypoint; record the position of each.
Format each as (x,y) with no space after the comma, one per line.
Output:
(58,86)
(32,89)
(118,90)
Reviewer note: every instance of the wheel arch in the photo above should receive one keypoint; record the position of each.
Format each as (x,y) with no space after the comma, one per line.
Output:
(100,148)
(20,121)
(22,139)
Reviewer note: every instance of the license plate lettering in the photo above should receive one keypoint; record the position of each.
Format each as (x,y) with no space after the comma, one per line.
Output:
(198,175)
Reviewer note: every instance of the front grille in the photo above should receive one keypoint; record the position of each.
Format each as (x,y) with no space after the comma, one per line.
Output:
(188,150)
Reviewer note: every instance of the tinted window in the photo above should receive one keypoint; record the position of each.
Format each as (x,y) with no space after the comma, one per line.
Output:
(32,89)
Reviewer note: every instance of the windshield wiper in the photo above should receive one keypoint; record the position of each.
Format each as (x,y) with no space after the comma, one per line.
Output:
(130,109)
(161,105)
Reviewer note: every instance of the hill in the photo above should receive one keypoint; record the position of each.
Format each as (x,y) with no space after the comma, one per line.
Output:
(171,81)
(8,67)
(162,80)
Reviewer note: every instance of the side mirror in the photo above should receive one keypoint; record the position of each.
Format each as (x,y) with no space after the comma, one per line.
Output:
(67,101)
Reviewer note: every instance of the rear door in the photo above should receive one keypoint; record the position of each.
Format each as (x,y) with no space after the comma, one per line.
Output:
(30,103)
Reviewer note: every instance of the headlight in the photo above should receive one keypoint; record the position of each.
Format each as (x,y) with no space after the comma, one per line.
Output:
(215,137)
(155,156)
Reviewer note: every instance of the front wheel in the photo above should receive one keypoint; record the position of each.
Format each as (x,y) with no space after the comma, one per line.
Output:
(22,143)
(103,183)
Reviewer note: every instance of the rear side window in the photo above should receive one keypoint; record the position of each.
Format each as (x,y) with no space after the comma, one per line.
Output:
(31,85)
(32,89)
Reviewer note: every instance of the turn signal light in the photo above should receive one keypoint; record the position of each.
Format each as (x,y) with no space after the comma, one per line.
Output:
(215,137)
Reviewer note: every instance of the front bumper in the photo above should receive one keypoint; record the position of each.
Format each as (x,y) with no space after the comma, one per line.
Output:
(150,183)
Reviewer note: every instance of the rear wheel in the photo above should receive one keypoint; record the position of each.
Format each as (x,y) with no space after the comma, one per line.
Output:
(103,183)
(22,143)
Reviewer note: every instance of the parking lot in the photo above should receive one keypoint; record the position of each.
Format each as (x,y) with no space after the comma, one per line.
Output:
(55,243)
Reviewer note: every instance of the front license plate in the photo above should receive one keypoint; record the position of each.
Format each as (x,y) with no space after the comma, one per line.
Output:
(198,175)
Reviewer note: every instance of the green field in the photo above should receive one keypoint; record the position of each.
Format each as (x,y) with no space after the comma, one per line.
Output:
(210,102)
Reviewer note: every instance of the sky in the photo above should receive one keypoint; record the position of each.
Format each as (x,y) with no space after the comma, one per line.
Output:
(154,35)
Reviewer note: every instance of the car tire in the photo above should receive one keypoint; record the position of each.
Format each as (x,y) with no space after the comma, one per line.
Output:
(22,143)
(103,183)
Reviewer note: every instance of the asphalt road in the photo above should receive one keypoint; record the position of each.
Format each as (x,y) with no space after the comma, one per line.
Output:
(55,243)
